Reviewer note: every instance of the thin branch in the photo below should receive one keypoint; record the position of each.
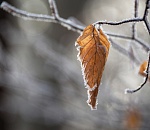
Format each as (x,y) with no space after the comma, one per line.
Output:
(53,8)
(120,22)
(147,25)
(26,15)
(123,51)
(146,9)
(146,15)
(119,36)
(118,47)
(64,22)
(137,40)
(133,30)
(146,47)
(136,2)
(40,17)
(145,81)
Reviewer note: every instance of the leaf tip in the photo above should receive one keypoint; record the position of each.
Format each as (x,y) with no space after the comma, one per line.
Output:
(92,99)
(92,107)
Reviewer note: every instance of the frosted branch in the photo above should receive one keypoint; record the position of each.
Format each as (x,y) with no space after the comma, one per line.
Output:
(145,19)
(120,22)
(53,8)
(136,2)
(123,51)
(145,80)
(26,15)
(41,17)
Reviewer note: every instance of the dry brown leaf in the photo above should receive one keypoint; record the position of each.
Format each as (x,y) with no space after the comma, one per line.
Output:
(142,69)
(93,47)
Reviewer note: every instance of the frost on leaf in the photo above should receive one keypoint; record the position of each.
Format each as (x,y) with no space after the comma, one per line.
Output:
(93,47)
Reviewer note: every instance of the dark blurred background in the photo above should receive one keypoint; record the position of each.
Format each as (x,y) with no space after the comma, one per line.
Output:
(41,85)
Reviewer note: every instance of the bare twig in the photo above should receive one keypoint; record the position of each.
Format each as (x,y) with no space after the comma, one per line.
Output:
(146,9)
(137,40)
(53,8)
(146,15)
(145,47)
(120,22)
(26,15)
(119,36)
(64,22)
(123,51)
(133,30)
(136,2)
(40,17)
(145,80)
(147,25)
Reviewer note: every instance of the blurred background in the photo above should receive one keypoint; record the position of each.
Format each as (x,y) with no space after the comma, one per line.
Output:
(41,85)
